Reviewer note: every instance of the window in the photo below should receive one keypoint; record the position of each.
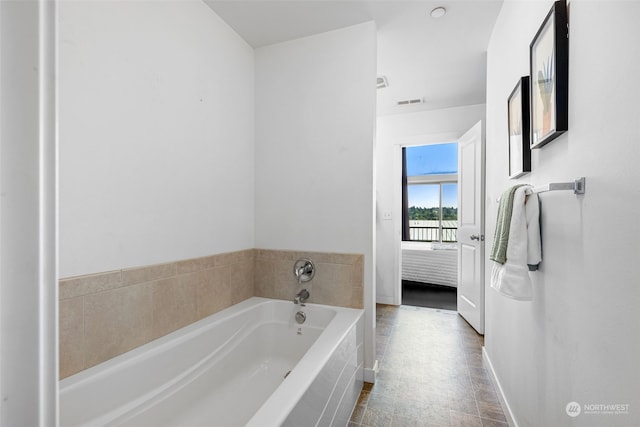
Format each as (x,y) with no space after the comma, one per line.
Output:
(430,193)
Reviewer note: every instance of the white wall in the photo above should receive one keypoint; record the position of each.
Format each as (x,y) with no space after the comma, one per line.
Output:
(315,112)
(393,132)
(578,339)
(28,292)
(156,135)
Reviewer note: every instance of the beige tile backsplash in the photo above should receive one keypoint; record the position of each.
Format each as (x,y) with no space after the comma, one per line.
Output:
(338,280)
(116,321)
(107,314)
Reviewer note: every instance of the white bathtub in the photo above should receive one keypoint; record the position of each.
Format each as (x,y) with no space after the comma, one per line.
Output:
(229,370)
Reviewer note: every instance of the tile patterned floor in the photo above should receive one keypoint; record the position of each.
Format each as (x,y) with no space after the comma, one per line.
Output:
(431,373)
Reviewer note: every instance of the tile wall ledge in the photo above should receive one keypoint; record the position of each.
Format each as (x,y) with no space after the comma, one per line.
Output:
(76,286)
(317,257)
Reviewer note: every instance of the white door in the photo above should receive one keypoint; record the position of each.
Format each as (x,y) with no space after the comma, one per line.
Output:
(471,228)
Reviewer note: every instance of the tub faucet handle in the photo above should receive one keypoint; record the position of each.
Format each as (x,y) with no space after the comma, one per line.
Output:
(301,297)
(304,270)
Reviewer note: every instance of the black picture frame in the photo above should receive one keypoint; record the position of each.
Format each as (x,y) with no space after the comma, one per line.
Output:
(518,124)
(549,77)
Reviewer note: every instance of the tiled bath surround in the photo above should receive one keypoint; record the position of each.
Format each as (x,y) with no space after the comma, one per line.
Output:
(338,279)
(106,314)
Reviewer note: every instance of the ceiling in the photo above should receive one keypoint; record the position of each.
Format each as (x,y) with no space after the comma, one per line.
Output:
(441,61)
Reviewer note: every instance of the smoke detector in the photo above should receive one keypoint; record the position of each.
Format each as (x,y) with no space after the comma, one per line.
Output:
(411,101)
(381,82)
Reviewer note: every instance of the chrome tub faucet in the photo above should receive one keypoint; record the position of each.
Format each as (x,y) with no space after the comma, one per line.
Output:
(304,270)
(301,297)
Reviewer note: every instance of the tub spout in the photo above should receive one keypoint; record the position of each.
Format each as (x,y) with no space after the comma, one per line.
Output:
(301,297)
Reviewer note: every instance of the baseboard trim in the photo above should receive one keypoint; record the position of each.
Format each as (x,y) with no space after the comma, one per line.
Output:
(370,373)
(385,300)
(500,392)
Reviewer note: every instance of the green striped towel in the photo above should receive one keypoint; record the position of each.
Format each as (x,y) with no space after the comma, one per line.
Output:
(503,224)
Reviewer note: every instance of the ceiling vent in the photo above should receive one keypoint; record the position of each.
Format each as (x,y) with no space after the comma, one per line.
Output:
(381,82)
(411,101)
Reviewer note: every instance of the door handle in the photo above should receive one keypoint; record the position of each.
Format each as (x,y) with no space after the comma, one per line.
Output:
(479,238)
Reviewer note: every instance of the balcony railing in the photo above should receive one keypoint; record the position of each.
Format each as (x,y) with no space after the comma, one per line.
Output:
(432,234)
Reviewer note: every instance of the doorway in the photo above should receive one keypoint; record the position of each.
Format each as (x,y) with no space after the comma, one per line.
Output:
(428,258)
(470,231)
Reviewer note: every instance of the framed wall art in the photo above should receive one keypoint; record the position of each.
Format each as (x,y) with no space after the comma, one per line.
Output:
(518,112)
(549,77)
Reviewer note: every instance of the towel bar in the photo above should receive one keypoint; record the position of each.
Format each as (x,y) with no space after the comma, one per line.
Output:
(577,186)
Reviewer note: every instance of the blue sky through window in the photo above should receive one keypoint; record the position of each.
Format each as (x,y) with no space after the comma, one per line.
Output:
(426,195)
(430,160)
(450,195)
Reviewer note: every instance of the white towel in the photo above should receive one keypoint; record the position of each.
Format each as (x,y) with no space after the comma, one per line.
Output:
(524,248)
